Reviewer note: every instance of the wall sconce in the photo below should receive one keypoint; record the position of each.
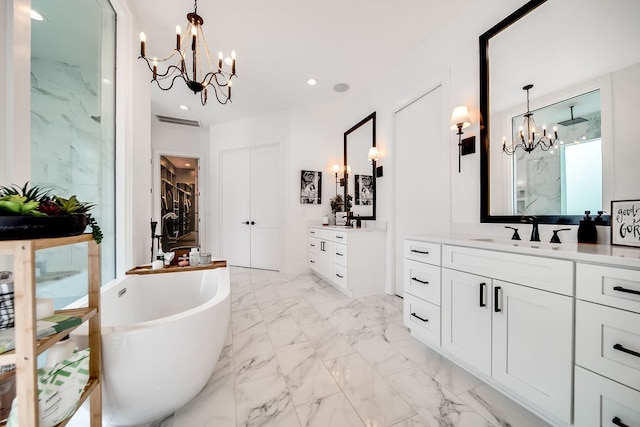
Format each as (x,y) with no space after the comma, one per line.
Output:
(336,170)
(373,157)
(460,120)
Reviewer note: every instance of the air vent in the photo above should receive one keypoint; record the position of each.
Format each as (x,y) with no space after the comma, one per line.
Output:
(177,121)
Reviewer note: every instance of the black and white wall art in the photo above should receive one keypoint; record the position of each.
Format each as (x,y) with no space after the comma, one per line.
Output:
(310,187)
(364,189)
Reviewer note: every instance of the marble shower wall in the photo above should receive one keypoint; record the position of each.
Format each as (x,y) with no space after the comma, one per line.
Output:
(72,150)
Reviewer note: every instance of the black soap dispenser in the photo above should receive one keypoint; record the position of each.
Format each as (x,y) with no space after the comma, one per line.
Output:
(587,232)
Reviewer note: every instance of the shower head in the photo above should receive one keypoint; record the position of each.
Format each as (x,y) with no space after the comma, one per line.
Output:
(572,121)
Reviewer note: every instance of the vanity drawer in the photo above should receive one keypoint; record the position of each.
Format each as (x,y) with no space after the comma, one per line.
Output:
(313,262)
(314,245)
(608,342)
(339,237)
(340,276)
(422,280)
(422,251)
(548,274)
(423,318)
(598,401)
(613,286)
(340,254)
(320,233)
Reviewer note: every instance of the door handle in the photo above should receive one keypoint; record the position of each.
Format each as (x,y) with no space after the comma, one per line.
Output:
(253,223)
(245,222)
(496,299)
(482,288)
(629,291)
(419,318)
(322,246)
(617,421)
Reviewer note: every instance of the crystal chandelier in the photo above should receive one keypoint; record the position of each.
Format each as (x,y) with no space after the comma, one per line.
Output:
(529,137)
(194,77)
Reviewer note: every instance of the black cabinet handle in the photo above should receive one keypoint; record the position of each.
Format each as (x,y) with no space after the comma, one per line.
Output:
(322,246)
(629,291)
(419,281)
(482,301)
(312,232)
(420,252)
(342,277)
(312,245)
(617,421)
(339,237)
(419,318)
(312,261)
(619,347)
(339,254)
(496,299)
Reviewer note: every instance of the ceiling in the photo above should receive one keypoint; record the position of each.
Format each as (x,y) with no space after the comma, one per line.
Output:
(280,43)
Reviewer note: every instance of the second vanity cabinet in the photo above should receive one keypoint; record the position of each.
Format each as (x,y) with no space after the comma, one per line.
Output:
(499,318)
(352,260)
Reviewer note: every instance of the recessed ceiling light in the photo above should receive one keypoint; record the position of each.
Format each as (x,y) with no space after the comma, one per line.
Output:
(187,164)
(341,87)
(183,107)
(312,81)
(36,16)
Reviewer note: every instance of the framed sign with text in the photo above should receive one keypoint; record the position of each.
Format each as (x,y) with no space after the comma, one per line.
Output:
(625,222)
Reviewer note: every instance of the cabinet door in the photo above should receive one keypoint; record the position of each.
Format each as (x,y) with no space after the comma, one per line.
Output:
(327,253)
(532,345)
(466,318)
(314,254)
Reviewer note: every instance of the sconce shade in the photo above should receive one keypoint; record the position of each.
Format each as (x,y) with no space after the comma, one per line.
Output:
(336,168)
(460,115)
(373,154)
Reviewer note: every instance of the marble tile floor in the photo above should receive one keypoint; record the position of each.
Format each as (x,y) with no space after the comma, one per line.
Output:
(301,353)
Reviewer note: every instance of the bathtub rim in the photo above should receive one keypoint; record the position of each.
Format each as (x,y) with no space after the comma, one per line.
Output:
(223,292)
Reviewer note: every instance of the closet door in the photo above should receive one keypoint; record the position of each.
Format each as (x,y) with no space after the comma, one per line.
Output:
(236,207)
(252,214)
(266,216)
(422,172)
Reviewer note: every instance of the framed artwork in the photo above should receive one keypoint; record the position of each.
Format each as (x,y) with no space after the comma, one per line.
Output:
(310,187)
(625,222)
(364,189)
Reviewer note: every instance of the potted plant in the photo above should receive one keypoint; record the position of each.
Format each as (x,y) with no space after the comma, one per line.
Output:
(29,212)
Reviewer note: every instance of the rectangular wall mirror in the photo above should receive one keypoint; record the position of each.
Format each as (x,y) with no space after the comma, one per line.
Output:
(564,65)
(360,182)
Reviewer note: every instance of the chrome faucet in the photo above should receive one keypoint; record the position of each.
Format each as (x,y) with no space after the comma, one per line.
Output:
(535,235)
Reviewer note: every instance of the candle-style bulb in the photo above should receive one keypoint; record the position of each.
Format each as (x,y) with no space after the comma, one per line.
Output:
(220,58)
(143,40)
(233,62)
(229,89)
(155,68)
(194,32)
(178,34)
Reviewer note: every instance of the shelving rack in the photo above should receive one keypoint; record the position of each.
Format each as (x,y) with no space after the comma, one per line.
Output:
(176,196)
(28,347)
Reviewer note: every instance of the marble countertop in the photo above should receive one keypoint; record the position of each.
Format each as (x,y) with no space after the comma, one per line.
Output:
(345,228)
(593,253)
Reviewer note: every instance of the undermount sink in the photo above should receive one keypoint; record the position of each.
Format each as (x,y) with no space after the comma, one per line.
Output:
(518,243)
(485,239)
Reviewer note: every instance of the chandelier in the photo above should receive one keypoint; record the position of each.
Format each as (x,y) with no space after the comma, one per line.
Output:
(216,77)
(529,137)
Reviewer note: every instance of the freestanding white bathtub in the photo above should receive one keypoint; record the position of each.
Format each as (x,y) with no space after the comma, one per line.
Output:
(162,335)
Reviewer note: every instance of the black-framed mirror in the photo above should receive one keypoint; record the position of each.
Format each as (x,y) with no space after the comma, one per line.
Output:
(360,182)
(530,47)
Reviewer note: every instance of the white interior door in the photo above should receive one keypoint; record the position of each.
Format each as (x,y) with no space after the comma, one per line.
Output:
(236,207)
(422,177)
(251,199)
(266,217)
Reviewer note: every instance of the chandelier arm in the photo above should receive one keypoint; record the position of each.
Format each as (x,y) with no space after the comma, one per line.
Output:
(172,81)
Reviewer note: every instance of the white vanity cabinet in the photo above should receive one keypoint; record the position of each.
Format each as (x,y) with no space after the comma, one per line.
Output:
(607,346)
(352,260)
(518,335)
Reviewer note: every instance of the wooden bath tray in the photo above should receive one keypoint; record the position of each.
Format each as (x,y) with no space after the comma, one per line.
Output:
(146,269)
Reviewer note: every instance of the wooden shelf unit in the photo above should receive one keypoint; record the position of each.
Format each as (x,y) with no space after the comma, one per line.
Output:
(28,347)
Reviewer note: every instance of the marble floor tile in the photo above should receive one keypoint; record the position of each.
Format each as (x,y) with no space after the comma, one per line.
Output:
(412,422)
(246,321)
(285,331)
(265,402)
(351,370)
(392,332)
(253,357)
(499,409)
(266,295)
(433,402)
(422,356)
(382,356)
(327,342)
(329,411)
(307,378)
